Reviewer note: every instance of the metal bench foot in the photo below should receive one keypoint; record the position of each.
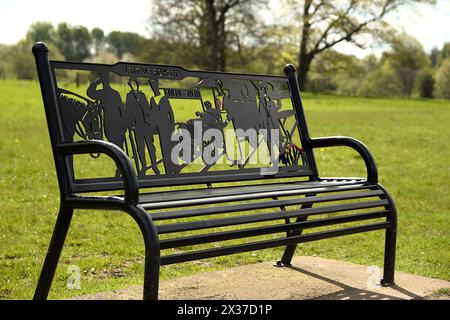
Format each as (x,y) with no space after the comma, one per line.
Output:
(281,264)
(387,283)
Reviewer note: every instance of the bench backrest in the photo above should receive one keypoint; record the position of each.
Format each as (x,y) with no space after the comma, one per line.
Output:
(178,126)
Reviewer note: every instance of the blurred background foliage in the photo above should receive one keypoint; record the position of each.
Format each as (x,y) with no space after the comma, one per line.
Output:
(231,35)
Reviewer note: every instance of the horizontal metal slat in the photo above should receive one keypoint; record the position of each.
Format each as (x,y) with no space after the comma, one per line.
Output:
(265,244)
(250,196)
(173,195)
(262,205)
(251,232)
(107,184)
(213,223)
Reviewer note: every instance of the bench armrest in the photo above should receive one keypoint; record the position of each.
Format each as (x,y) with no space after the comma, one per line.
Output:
(372,171)
(121,159)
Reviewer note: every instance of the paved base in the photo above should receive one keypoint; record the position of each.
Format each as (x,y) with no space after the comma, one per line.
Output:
(308,278)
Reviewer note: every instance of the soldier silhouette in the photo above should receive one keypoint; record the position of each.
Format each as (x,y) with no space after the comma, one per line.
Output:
(164,119)
(112,105)
(139,119)
(242,110)
(269,112)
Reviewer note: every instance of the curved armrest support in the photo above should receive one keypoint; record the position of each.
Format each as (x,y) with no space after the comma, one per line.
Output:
(372,171)
(118,155)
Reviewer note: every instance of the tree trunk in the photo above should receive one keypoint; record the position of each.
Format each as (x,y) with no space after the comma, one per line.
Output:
(211,29)
(304,57)
(304,63)
(222,46)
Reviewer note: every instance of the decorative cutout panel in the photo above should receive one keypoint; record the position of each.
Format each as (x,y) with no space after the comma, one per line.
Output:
(171,121)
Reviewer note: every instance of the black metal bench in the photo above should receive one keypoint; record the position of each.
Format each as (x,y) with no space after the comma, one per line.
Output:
(162,132)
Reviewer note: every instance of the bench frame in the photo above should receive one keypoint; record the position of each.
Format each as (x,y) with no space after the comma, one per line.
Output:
(69,201)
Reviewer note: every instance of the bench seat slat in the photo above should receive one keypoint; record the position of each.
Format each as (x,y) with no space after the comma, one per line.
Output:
(262,205)
(242,194)
(263,230)
(265,244)
(170,195)
(213,223)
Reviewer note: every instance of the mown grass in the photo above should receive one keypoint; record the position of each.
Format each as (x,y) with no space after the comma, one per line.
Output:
(408,137)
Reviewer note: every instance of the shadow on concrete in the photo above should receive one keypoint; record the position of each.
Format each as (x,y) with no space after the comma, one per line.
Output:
(351,293)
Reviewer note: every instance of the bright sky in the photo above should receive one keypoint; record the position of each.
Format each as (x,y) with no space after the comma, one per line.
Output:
(430,25)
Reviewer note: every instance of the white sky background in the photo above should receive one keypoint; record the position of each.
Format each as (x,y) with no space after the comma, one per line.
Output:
(430,25)
(121,15)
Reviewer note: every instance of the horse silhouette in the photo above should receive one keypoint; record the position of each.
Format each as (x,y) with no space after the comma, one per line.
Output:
(80,115)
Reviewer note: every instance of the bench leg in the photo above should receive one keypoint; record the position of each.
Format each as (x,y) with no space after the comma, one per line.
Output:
(389,258)
(152,251)
(290,250)
(151,277)
(53,253)
(390,243)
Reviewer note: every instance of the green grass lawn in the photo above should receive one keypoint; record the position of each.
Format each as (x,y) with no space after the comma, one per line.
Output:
(408,137)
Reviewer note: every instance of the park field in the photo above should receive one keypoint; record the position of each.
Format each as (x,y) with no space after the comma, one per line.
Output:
(408,137)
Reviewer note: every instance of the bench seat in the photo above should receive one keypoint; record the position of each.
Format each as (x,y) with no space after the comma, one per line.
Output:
(287,206)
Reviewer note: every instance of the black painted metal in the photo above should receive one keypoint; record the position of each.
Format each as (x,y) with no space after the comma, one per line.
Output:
(303,186)
(54,251)
(228,101)
(212,223)
(245,195)
(289,252)
(134,127)
(261,205)
(291,74)
(265,244)
(262,230)
(372,172)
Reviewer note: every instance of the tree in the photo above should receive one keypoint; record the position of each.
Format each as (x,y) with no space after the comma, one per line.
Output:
(434,55)
(21,62)
(326,23)
(211,26)
(41,31)
(382,81)
(73,42)
(64,40)
(81,41)
(426,84)
(407,58)
(163,51)
(269,55)
(444,53)
(120,43)
(443,80)
(333,69)
(349,79)
(98,39)
(5,66)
